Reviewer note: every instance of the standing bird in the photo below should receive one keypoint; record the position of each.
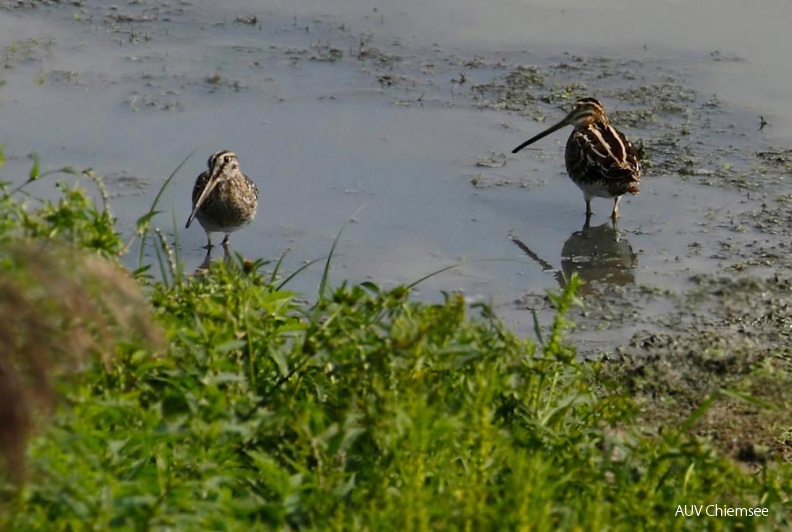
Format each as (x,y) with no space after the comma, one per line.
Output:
(224,199)
(599,158)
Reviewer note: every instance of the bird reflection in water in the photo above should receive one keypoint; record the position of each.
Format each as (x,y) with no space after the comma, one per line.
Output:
(597,254)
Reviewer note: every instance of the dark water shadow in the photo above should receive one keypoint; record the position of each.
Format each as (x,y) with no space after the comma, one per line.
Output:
(597,254)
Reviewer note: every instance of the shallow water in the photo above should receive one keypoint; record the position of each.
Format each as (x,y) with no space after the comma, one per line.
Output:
(341,110)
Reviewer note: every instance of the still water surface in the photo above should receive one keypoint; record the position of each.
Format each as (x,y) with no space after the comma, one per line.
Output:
(389,130)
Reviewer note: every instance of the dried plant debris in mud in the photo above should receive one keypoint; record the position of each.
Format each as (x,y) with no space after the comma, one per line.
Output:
(487,180)
(60,310)
(529,88)
(773,217)
(31,50)
(325,52)
(490,177)
(733,349)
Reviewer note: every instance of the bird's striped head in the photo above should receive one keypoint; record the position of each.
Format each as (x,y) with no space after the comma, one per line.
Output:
(586,111)
(222,165)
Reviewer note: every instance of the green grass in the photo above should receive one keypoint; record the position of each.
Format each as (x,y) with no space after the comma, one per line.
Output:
(365,410)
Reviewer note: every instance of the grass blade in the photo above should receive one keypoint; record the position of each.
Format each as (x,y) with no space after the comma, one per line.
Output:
(297,271)
(278,267)
(326,272)
(142,224)
(452,266)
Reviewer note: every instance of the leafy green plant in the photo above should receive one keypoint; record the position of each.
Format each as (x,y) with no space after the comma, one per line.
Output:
(75,219)
(363,410)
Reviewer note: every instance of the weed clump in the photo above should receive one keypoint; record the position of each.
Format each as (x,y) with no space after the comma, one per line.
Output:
(361,410)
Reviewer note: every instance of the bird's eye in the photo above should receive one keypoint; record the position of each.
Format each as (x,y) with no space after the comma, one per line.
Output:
(227,158)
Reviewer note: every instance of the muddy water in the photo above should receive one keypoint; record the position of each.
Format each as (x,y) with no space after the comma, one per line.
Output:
(400,117)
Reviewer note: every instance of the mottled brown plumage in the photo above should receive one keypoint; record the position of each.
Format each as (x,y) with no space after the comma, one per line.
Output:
(224,199)
(600,159)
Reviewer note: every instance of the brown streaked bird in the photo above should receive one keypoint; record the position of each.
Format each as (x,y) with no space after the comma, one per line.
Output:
(600,159)
(224,199)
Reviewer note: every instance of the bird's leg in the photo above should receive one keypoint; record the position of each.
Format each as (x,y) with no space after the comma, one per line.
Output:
(589,212)
(615,225)
(208,245)
(588,221)
(206,261)
(615,213)
(225,240)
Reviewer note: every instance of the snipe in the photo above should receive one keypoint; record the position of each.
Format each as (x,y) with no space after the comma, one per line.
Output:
(224,199)
(600,159)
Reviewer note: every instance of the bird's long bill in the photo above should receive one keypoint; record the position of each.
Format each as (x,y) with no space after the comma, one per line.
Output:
(543,134)
(210,185)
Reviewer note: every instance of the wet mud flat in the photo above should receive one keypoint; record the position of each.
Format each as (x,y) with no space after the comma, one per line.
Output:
(713,310)
(689,292)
